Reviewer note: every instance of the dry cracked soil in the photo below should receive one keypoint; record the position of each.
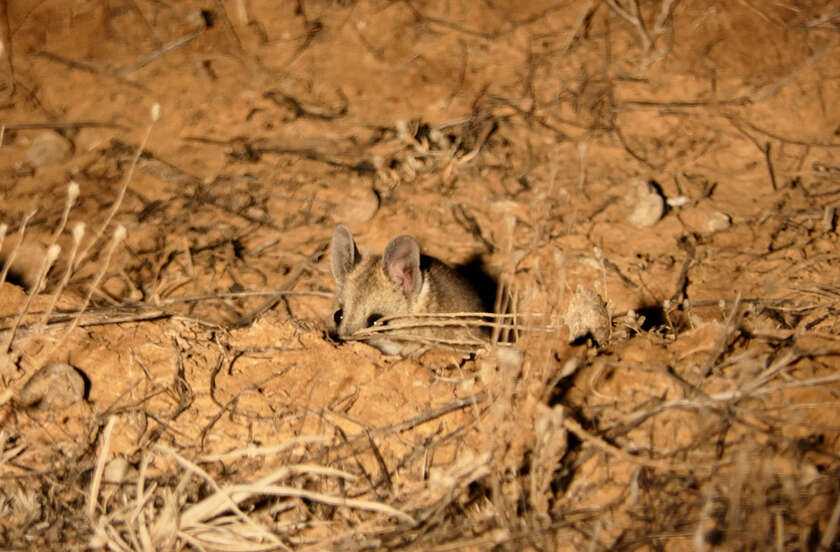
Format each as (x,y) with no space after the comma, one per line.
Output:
(651,185)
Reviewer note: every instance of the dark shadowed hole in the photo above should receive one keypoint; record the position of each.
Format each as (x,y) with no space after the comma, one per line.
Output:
(86,381)
(13,277)
(481,281)
(654,317)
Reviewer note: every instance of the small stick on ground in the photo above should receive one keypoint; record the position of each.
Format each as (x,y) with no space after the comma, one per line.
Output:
(687,245)
(770,169)
(119,236)
(621,454)
(270,303)
(63,125)
(831,529)
(82,66)
(100,467)
(174,45)
(155,115)
(724,336)
(796,70)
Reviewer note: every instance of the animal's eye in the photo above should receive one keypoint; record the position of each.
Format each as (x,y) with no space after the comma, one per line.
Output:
(373,319)
(338,316)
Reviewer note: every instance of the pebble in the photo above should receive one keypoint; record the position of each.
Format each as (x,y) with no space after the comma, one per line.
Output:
(717,221)
(48,148)
(54,387)
(116,470)
(587,315)
(678,201)
(645,205)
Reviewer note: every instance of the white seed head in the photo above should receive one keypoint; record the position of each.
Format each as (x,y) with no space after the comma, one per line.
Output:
(119,233)
(78,231)
(72,191)
(155,112)
(53,252)
(402,130)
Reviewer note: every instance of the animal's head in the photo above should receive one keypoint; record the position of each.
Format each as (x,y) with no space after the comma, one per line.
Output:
(371,287)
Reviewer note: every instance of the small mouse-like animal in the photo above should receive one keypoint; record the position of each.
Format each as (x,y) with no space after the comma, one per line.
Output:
(401,281)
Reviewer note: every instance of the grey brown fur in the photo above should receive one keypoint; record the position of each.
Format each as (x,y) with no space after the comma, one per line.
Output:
(401,281)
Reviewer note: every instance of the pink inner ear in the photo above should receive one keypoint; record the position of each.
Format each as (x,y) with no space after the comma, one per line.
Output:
(400,276)
(402,265)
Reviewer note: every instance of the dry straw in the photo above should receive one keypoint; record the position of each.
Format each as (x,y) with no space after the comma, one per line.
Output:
(47,262)
(78,233)
(681,449)
(72,195)
(117,238)
(155,115)
(217,521)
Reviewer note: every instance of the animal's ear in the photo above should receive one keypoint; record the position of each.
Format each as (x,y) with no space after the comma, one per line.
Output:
(343,253)
(401,263)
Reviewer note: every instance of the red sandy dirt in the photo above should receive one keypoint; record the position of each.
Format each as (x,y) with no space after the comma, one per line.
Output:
(705,418)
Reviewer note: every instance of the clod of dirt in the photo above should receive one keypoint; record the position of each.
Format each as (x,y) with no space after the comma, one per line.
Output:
(8,363)
(54,387)
(645,205)
(587,315)
(48,148)
(116,470)
(716,222)
(359,205)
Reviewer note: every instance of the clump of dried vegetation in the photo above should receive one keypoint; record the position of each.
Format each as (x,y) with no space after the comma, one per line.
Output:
(700,420)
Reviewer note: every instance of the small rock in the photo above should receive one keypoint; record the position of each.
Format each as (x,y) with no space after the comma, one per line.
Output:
(587,315)
(645,205)
(8,362)
(358,205)
(678,201)
(716,222)
(115,470)
(54,387)
(48,148)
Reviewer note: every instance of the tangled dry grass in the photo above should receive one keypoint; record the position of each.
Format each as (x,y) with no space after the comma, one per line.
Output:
(652,185)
